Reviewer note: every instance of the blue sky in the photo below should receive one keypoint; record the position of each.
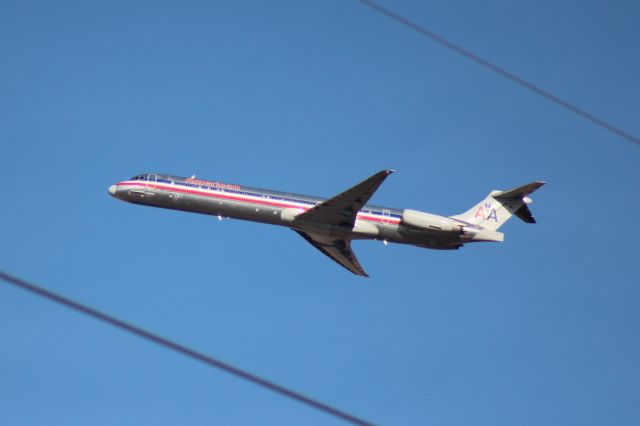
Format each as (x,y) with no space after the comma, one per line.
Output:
(312,97)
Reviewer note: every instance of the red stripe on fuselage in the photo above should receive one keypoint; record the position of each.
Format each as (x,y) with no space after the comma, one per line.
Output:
(176,188)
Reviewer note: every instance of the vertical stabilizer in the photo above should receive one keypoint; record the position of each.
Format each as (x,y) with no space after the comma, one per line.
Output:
(498,207)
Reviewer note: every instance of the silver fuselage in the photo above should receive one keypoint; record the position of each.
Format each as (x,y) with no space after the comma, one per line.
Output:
(278,208)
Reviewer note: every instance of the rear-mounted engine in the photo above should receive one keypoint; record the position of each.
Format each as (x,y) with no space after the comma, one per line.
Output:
(431,222)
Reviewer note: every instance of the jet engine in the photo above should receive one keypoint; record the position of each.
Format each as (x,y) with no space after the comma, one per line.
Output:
(431,222)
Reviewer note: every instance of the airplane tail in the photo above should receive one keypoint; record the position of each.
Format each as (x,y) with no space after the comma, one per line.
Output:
(492,212)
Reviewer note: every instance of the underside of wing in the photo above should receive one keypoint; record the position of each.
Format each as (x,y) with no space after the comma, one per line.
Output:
(338,250)
(342,209)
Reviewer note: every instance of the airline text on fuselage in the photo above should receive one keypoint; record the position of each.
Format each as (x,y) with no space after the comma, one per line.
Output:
(212,184)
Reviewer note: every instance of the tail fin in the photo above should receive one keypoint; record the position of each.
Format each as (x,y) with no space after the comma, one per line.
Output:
(499,206)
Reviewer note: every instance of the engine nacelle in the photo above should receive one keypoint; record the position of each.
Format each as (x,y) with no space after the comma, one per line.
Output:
(430,222)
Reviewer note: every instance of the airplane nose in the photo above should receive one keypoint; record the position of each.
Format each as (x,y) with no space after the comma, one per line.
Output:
(112,190)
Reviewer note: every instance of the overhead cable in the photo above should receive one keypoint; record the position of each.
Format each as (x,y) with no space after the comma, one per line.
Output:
(499,70)
(176,347)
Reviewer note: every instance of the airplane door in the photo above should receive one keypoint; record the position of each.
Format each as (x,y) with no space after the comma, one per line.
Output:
(151,177)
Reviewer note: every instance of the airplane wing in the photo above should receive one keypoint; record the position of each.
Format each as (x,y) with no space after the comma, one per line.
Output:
(342,209)
(338,250)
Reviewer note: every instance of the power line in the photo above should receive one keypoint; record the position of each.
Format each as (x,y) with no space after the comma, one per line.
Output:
(499,70)
(198,356)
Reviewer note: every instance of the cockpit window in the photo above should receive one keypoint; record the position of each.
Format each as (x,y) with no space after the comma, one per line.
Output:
(140,177)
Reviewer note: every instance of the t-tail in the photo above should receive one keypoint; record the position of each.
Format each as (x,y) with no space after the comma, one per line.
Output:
(492,212)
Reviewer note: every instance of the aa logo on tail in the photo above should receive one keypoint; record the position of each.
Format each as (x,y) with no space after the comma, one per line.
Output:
(486,212)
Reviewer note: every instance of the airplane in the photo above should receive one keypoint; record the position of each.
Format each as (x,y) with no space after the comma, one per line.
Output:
(331,224)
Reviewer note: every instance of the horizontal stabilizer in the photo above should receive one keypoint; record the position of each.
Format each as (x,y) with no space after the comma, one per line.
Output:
(519,192)
(525,214)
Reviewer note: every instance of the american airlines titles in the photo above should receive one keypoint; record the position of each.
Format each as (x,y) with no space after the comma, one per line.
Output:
(212,184)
